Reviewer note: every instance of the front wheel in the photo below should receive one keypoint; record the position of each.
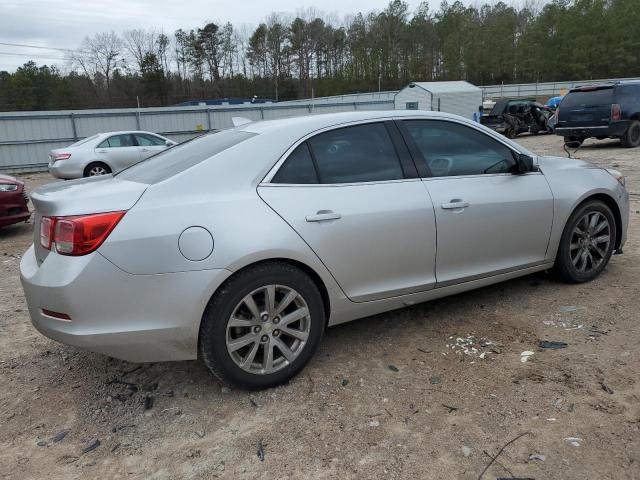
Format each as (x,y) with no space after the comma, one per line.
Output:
(587,243)
(262,327)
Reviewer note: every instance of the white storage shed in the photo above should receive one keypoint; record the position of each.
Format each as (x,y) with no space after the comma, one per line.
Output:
(461,98)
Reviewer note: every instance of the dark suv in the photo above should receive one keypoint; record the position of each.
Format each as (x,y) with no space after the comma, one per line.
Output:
(602,111)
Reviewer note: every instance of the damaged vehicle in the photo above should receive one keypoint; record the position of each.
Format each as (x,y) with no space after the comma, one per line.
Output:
(241,247)
(513,116)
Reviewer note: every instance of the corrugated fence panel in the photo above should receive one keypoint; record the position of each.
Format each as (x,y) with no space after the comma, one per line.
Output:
(24,128)
(88,124)
(175,121)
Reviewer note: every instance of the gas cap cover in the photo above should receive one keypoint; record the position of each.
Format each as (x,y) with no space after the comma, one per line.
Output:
(195,243)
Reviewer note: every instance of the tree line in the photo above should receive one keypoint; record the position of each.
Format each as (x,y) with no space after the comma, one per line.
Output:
(294,56)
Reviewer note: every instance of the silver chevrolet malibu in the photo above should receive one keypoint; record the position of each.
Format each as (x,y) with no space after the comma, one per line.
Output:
(240,247)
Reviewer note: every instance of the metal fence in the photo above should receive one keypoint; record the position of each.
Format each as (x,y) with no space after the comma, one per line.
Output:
(27,137)
(547,89)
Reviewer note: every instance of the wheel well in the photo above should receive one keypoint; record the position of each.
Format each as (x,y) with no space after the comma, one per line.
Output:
(306,269)
(96,162)
(611,203)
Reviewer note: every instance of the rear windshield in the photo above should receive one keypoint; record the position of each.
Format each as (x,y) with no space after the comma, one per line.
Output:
(85,140)
(588,98)
(181,157)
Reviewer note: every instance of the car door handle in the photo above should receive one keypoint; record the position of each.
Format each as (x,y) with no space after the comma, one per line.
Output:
(102,151)
(454,205)
(323,216)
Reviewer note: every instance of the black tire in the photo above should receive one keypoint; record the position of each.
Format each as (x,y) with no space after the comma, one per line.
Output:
(631,137)
(510,133)
(93,165)
(213,330)
(573,139)
(564,268)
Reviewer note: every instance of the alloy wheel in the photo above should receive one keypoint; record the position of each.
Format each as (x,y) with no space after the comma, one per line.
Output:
(268,329)
(590,241)
(97,170)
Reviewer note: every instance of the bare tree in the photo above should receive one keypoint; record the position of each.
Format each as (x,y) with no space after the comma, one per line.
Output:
(98,57)
(138,43)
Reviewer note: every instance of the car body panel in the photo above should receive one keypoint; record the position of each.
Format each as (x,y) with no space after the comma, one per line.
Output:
(147,300)
(505,226)
(13,204)
(392,222)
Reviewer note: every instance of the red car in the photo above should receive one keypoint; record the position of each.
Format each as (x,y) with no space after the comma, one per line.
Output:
(13,201)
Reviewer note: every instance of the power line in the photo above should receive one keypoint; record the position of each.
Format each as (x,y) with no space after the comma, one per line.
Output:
(36,46)
(31,55)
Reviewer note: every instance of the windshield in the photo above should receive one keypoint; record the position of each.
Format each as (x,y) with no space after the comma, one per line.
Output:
(602,96)
(181,157)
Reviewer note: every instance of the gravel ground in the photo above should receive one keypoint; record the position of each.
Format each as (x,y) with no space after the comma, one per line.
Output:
(391,396)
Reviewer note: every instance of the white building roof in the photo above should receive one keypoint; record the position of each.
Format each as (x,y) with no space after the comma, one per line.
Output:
(446,87)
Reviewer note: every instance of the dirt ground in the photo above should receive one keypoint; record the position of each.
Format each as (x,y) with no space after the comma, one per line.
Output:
(391,396)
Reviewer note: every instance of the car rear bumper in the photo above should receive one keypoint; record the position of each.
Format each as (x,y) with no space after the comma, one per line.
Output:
(139,318)
(615,129)
(66,169)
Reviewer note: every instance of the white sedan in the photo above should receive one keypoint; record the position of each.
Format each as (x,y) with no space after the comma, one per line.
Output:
(105,153)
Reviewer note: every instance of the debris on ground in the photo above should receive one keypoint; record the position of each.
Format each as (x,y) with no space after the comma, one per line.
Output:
(344,382)
(260,451)
(552,344)
(524,356)
(148,402)
(393,368)
(538,457)
(466,451)
(450,407)
(575,441)
(472,346)
(374,423)
(435,380)
(58,437)
(92,446)
(568,309)
(494,458)
(563,323)
(606,388)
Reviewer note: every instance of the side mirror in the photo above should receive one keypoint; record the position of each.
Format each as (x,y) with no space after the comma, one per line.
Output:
(525,163)
(169,143)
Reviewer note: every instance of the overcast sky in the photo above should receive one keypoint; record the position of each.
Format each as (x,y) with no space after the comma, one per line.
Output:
(64,23)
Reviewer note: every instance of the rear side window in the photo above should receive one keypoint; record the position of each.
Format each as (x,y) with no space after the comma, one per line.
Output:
(587,98)
(298,168)
(116,141)
(146,140)
(628,94)
(362,153)
(183,156)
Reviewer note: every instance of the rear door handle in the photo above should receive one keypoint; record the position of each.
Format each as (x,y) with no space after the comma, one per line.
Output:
(454,205)
(323,216)
(102,151)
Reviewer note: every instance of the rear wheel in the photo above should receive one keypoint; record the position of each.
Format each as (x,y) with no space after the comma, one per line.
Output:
(96,168)
(587,243)
(262,327)
(631,137)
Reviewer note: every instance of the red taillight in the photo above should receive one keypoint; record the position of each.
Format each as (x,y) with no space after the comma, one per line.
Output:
(77,235)
(61,156)
(615,112)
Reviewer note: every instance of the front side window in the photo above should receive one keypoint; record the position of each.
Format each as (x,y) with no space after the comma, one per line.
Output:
(362,153)
(146,140)
(451,149)
(115,141)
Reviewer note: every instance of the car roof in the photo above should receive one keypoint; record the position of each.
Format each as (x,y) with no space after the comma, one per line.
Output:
(122,132)
(310,123)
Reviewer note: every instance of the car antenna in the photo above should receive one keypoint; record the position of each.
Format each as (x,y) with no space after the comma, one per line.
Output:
(571,148)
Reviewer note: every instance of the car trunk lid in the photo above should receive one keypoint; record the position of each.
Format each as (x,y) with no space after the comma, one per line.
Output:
(82,197)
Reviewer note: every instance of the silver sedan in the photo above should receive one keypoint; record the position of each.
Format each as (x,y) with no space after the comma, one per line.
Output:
(241,247)
(105,153)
